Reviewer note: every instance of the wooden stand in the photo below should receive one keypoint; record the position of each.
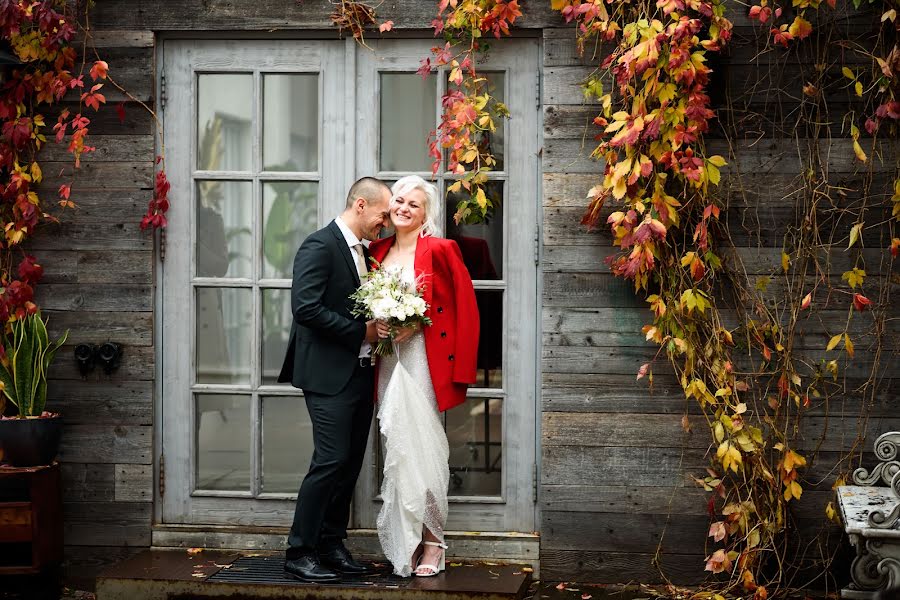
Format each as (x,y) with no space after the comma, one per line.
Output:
(31,522)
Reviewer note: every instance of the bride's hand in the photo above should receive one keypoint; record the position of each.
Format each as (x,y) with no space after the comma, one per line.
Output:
(404,333)
(383,329)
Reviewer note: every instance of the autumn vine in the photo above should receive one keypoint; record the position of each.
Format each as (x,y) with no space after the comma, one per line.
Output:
(42,38)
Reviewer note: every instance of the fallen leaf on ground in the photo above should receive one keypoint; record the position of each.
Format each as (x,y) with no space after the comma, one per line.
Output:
(193,551)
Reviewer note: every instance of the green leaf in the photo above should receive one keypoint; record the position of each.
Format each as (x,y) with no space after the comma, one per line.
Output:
(23,366)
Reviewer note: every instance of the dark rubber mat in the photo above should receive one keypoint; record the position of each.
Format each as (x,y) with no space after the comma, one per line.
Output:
(270,569)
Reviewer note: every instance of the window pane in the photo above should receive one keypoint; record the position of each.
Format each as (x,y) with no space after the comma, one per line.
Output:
(481,245)
(291,122)
(490,339)
(224,119)
(290,213)
(276,327)
(287,443)
(223,442)
(474,432)
(224,228)
(223,335)
(408,105)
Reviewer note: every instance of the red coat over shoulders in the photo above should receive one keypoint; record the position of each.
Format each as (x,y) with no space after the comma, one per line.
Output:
(451,342)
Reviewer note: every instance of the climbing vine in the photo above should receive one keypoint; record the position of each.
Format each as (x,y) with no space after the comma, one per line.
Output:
(50,68)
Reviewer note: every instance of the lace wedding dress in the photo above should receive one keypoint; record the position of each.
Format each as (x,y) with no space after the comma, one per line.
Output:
(416,453)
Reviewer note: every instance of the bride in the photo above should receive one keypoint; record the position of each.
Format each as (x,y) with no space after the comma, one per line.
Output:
(427,374)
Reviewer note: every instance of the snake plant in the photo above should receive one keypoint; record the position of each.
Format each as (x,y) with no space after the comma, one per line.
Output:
(23,368)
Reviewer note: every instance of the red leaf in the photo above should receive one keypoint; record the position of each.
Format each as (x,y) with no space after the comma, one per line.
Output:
(806,301)
(65,190)
(386,26)
(860,302)
(99,70)
(120,111)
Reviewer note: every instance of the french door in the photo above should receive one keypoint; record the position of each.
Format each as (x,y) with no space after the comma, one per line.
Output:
(263,139)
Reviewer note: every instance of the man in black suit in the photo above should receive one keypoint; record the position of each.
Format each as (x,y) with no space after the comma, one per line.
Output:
(329,358)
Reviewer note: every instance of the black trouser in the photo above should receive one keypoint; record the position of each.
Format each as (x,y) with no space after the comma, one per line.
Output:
(340,426)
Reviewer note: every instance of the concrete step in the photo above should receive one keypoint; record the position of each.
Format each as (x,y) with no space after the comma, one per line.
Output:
(177,574)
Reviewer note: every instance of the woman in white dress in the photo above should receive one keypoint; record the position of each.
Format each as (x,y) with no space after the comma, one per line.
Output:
(427,374)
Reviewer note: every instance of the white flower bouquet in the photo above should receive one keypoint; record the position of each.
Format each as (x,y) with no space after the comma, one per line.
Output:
(384,295)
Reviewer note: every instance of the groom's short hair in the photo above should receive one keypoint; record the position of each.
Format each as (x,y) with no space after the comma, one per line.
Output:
(369,188)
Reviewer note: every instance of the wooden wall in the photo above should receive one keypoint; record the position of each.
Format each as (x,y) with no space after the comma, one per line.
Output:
(98,284)
(617,502)
(615,460)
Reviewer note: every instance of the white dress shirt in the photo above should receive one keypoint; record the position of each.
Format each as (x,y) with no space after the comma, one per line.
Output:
(365,350)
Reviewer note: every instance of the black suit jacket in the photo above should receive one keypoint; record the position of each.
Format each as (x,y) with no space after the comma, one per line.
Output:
(325,338)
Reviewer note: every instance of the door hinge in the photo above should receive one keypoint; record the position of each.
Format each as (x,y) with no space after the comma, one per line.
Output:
(537,91)
(162,244)
(162,90)
(537,246)
(162,475)
(534,484)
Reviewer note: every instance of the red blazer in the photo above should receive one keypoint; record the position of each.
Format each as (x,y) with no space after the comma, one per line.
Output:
(451,341)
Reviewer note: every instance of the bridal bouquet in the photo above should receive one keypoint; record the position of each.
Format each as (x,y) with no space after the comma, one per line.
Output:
(386,296)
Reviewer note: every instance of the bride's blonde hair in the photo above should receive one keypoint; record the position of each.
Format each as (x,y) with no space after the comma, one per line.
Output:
(409,183)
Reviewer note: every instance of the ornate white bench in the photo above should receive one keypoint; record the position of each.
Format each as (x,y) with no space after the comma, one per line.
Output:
(871,514)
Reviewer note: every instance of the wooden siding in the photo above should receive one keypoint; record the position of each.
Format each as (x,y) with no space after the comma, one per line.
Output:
(98,284)
(616,463)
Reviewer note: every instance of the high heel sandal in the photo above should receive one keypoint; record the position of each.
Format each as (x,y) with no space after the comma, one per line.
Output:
(417,556)
(434,569)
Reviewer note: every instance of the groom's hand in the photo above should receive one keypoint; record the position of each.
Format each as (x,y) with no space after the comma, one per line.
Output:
(404,333)
(372,331)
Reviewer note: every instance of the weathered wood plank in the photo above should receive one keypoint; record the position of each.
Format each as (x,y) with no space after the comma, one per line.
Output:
(591,566)
(606,393)
(127,328)
(616,328)
(137,365)
(111,38)
(625,360)
(665,431)
(97,267)
(103,175)
(107,523)
(134,483)
(115,206)
(110,403)
(90,297)
(109,148)
(618,532)
(88,482)
(93,236)
(120,444)
(106,121)
(754,261)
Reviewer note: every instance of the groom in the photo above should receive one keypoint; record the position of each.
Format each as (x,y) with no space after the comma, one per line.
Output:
(329,358)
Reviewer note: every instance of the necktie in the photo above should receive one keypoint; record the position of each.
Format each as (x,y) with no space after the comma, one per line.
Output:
(360,260)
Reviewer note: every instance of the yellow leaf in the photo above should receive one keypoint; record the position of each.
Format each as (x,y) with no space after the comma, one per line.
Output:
(857,149)
(854,277)
(858,88)
(717,160)
(848,345)
(796,490)
(834,341)
(848,73)
(854,234)
(481,199)
(785,262)
(753,539)
(36,172)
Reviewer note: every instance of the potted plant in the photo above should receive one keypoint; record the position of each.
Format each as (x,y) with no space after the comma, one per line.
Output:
(30,437)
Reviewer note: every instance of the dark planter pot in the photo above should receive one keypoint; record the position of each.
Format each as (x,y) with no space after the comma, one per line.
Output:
(30,442)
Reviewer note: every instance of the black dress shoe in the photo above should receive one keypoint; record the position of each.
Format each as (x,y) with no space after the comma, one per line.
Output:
(308,569)
(340,560)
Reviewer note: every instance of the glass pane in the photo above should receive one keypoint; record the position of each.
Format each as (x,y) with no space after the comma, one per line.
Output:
(474,431)
(291,122)
(276,327)
(290,213)
(408,105)
(223,442)
(224,228)
(224,119)
(224,317)
(493,141)
(481,245)
(490,340)
(287,443)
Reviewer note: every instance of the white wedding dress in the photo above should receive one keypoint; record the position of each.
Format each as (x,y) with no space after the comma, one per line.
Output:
(416,453)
